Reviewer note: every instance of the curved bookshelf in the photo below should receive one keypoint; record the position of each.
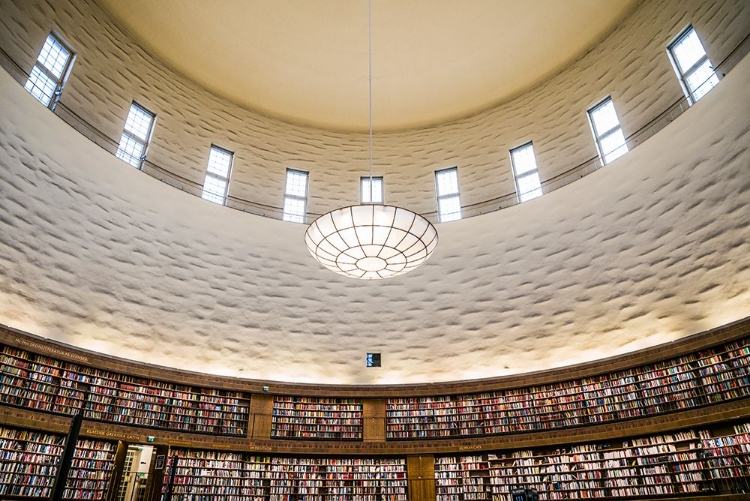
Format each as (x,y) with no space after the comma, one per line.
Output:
(702,371)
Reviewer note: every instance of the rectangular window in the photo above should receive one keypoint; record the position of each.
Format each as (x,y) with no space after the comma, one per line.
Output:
(50,71)
(135,136)
(216,185)
(605,125)
(525,172)
(374,195)
(295,196)
(691,63)
(449,203)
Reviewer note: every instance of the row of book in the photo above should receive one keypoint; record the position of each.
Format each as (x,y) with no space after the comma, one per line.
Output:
(316,418)
(30,461)
(42,383)
(702,378)
(243,477)
(674,464)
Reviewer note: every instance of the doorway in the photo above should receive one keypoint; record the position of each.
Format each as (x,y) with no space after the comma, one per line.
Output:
(135,473)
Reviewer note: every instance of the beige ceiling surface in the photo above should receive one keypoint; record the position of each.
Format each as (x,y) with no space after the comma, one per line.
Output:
(306,61)
(649,249)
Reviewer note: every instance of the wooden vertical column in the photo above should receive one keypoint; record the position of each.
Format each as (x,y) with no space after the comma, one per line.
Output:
(420,472)
(259,420)
(119,465)
(373,415)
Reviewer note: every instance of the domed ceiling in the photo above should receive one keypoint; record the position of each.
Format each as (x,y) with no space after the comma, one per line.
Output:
(306,62)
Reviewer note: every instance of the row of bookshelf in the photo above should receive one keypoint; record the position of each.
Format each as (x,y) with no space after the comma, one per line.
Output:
(42,383)
(48,366)
(316,418)
(661,465)
(210,475)
(686,382)
(30,461)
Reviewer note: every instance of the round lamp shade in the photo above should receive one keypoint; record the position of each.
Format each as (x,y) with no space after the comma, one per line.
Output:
(371,242)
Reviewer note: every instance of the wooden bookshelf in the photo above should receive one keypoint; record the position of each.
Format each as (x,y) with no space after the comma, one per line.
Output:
(41,383)
(29,461)
(691,381)
(91,470)
(244,477)
(316,418)
(675,465)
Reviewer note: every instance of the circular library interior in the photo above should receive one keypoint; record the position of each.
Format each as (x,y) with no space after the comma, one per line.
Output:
(567,185)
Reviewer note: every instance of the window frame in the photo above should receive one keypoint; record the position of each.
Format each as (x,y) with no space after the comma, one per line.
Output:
(683,75)
(598,137)
(213,175)
(454,216)
(131,135)
(292,218)
(60,81)
(529,173)
(362,190)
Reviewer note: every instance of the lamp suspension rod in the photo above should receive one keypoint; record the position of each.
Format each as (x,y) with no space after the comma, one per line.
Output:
(369,78)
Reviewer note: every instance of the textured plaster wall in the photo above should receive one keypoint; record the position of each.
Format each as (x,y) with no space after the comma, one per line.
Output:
(112,69)
(650,249)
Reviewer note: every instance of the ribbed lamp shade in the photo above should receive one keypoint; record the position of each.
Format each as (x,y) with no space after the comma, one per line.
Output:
(371,241)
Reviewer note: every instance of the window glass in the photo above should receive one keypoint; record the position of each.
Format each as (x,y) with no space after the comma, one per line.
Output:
(377,190)
(135,136)
(692,66)
(449,202)
(295,196)
(49,70)
(610,141)
(216,184)
(525,172)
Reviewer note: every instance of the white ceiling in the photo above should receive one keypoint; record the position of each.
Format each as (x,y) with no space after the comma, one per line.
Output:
(649,249)
(306,61)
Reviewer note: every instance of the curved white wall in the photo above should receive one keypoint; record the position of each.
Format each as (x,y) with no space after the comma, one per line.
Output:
(649,249)
(111,70)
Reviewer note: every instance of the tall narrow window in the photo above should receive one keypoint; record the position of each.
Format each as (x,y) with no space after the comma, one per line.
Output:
(691,63)
(50,71)
(295,196)
(449,203)
(135,136)
(525,172)
(216,185)
(607,131)
(371,194)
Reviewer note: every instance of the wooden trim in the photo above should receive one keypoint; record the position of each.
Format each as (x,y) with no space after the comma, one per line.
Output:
(420,470)
(259,418)
(373,420)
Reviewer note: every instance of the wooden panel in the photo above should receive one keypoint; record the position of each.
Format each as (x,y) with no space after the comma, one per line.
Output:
(261,410)
(420,471)
(373,411)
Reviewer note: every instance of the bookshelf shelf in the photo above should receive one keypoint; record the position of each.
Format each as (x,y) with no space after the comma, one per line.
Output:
(44,384)
(664,465)
(699,379)
(245,477)
(316,418)
(29,461)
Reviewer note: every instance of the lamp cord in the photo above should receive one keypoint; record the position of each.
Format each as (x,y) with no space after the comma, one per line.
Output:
(369,78)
